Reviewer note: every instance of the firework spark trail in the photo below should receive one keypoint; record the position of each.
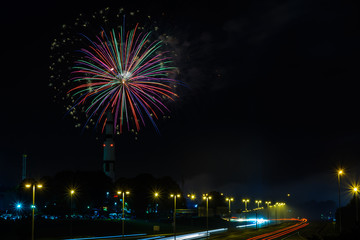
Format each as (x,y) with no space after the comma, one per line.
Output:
(124,74)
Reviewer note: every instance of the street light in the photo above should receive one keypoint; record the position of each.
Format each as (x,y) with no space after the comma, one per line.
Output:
(284,211)
(156,196)
(191,196)
(246,201)
(276,217)
(72,192)
(355,190)
(256,214)
(207,198)
(123,209)
(268,210)
(174,213)
(258,202)
(277,205)
(34,186)
(229,200)
(339,173)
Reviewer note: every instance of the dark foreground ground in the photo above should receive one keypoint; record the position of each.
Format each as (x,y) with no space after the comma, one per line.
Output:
(326,231)
(62,229)
(316,230)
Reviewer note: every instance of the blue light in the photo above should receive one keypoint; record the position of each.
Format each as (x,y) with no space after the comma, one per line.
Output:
(118,236)
(18,206)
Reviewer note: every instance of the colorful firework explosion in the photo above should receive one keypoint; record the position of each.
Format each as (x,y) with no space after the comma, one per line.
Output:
(126,74)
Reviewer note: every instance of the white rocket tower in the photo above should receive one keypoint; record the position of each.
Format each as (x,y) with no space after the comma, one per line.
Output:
(109,148)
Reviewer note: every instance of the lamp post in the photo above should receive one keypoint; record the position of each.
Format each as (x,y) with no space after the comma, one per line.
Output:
(339,173)
(282,204)
(191,196)
(123,210)
(258,202)
(268,210)
(258,206)
(229,200)
(34,186)
(72,192)
(174,213)
(156,196)
(276,206)
(356,192)
(207,197)
(246,201)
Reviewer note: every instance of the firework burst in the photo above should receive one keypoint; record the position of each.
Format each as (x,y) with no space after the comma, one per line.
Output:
(124,73)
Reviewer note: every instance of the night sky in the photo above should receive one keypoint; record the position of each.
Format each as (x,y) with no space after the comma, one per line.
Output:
(271,104)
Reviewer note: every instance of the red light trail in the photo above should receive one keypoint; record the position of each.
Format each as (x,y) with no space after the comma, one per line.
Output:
(281,232)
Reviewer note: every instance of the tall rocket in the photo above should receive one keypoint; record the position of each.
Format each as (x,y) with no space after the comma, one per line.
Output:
(109,148)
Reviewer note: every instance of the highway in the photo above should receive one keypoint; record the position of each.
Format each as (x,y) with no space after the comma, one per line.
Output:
(273,233)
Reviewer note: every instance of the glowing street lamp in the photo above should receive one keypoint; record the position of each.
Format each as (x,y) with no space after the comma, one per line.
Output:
(246,201)
(191,196)
(156,196)
(34,186)
(339,173)
(174,213)
(207,198)
(258,202)
(229,200)
(277,206)
(72,192)
(268,210)
(355,190)
(123,210)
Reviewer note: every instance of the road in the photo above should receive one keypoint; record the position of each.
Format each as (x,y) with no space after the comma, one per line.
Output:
(276,232)
(271,235)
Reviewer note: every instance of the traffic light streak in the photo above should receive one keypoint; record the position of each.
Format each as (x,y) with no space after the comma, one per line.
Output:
(280,232)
